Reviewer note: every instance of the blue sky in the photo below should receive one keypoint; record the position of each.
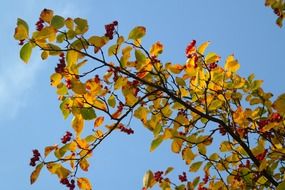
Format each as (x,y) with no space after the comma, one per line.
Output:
(30,117)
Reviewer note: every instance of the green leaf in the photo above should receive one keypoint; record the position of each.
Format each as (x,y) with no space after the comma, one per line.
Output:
(64,107)
(140,57)
(61,89)
(81,25)
(195,166)
(281,186)
(35,174)
(196,181)
(156,142)
(112,101)
(168,170)
(88,113)
(137,33)
(57,22)
(26,52)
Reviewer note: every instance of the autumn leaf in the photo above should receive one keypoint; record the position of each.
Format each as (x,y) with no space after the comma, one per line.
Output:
(137,33)
(84,165)
(279,104)
(98,121)
(84,184)
(77,124)
(35,174)
(232,64)
(47,15)
(26,52)
(22,30)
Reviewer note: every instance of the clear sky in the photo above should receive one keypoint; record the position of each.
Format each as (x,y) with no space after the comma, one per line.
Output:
(30,117)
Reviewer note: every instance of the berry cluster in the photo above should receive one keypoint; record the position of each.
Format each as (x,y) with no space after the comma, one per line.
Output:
(21,42)
(278,12)
(183,177)
(200,187)
(66,137)
(35,158)
(96,79)
(262,155)
(190,49)
(247,165)
(68,83)
(70,185)
(129,131)
(222,130)
(275,117)
(40,24)
(61,65)
(212,65)
(110,28)
(158,176)
(206,178)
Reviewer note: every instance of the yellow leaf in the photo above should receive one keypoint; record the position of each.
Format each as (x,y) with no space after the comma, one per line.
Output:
(84,165)
(22,30)
(98,121)
(71,58)
(141,113)
(225,146)
(84,184)
(77,124)
(58,169)
(55,79)
(46,15)
(97,41)
(279,104)
(121,81)
(73,146)
(195,166)
(232,64)
(137,33)
(81,143)
(99,104)
(212,58)
(262,165)
(69,23)
(176,145)
(99,134)
(48,149)
(147,179)
(174,68)
(35,174)
(156,49)
(188,155)
(202,47)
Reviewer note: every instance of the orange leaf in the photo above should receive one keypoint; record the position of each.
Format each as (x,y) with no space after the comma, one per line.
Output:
(84,184)
(98,121)
(84,165)
(48,149)
(46,15)
(35,174)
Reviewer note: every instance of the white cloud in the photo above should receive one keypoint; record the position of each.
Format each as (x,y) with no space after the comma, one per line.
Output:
(15,82)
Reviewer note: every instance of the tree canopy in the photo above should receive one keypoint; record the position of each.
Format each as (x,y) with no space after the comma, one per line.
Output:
(220,123)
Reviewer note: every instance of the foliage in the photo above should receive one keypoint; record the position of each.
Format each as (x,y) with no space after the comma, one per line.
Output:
(196,105)
(278,6)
